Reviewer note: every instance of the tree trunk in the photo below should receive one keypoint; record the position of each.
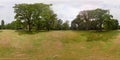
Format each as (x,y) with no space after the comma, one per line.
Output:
(29,27)
(100,27)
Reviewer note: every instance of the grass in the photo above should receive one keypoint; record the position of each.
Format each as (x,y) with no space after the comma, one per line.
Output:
(59,45)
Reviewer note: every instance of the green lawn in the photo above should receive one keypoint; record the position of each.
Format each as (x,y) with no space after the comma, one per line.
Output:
(59,45)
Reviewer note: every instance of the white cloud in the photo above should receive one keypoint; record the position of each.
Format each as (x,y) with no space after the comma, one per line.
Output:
(65,9)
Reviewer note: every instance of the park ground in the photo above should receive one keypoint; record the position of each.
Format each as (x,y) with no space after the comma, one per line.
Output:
(59,45)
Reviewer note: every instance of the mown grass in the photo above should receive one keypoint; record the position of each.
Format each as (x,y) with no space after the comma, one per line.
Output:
(59,45)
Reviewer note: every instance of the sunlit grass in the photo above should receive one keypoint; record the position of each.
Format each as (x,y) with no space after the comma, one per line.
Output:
(59,45)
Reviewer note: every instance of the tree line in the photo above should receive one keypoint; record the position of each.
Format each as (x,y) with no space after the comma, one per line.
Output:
(37,16)
(40,16)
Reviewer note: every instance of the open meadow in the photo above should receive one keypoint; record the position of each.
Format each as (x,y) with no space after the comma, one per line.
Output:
(59,45)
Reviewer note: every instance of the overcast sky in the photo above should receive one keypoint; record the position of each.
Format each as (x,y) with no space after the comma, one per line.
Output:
(65,9)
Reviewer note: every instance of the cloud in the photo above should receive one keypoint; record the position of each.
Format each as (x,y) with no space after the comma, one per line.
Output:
(1,6)
(65,9)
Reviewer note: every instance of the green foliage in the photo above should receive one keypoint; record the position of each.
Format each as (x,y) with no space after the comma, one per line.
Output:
(38,16)
(2,24)
(59,24)
(111,24)
(97,19)
(11,25)
(66,25)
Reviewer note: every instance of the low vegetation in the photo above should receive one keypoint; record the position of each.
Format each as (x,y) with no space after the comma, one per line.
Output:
(59,45)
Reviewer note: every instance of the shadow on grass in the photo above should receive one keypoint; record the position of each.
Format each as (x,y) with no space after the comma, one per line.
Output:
(21,32)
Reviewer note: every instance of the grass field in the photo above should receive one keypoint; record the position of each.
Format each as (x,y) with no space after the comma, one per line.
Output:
(60,45)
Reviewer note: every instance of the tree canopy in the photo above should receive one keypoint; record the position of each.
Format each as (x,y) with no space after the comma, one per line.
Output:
(40,16)
(37,15)
(97,19)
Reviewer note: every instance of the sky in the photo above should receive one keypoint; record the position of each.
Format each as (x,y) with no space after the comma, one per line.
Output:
(65,9)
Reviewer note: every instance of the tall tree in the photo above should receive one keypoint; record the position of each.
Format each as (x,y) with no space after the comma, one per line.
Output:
(43,16)
(100,15)
(24,12)
(94,19)
(37,15)
(2,24)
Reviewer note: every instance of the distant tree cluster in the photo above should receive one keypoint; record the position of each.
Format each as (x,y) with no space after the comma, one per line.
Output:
(40,16)
(97,19)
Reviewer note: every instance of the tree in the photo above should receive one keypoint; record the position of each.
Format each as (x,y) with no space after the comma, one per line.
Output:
(37,15)
(59,24)
(83,20)
(11,25)
(111,24)
(18,24)
(43,16)
(73,25)
(24,12)
(2,24)
(97,19)
(66,25)
(100,15)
